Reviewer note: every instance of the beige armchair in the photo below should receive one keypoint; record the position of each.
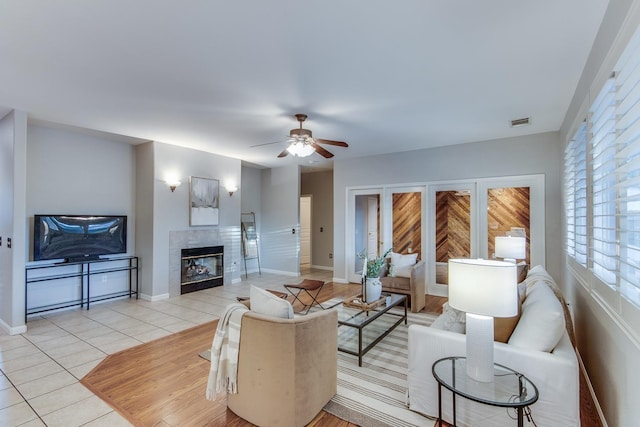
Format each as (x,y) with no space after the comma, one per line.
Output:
(414,287)
(287,368)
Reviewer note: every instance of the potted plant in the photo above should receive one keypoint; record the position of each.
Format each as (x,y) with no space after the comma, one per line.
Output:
(372,286)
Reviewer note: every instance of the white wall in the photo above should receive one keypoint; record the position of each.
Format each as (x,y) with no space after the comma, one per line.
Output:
(13,142)
(280,206)
(526,155)
(320,186)
(609,354)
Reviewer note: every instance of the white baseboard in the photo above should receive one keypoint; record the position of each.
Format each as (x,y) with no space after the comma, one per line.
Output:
(284,273)
(321,267)
(12,330)
(250,271)
(236,280)
(339,280)
(591,391)
(154,297)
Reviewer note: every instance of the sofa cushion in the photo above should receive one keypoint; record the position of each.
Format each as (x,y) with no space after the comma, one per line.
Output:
(542,323)
(401,264)
(266,303)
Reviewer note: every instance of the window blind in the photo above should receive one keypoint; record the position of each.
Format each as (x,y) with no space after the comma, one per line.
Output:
(602,193)
(576,195)
(602,125)
(627,171)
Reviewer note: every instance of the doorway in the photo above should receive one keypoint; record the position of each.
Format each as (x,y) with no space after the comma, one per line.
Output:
(364,226)
(305,231)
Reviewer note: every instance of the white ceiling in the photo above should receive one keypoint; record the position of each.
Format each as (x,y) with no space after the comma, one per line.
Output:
(222,76)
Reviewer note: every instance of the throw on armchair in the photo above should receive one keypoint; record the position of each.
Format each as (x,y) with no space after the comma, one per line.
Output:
(287,368)
(413,286)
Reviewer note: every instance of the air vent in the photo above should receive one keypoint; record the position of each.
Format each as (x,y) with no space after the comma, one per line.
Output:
(520,122)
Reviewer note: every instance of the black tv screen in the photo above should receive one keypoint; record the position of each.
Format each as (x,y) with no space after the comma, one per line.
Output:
(78,237)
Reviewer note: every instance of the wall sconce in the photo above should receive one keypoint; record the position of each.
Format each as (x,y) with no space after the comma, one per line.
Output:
(232,189)
(173,184)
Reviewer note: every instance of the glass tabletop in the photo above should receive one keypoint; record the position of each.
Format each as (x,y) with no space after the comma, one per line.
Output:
(355,317)
(508,388)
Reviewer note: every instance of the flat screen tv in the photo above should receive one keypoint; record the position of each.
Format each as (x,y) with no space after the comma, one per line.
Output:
(78,237)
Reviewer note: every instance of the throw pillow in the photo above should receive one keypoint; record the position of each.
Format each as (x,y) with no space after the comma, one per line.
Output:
(523,270)
(456,321)
(503,327)
(401,264)
(522,291)
(451,320)
(542,323)
(266,303)
(539,273)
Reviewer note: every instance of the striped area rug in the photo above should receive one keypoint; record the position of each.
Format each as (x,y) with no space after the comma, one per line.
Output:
(375,394)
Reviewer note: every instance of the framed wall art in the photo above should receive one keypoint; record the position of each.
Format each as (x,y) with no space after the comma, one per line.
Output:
(203,201)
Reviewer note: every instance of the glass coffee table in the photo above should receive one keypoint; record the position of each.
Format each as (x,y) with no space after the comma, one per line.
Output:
(360,330)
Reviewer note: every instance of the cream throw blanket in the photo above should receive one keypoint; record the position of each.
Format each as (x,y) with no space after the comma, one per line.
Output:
(223,374)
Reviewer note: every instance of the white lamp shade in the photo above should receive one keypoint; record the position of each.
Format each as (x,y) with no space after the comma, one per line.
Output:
(511,247)
(484,287)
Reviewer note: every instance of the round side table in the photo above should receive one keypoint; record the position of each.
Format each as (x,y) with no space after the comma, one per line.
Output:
(509,389)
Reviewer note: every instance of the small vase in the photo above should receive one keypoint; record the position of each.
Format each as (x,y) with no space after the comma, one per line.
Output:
(373,289)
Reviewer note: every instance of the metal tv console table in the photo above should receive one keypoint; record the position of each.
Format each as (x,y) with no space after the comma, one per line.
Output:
(82,270)
(509,389)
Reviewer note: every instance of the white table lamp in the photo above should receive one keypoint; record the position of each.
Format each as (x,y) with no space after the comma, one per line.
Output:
(484,289)
(511,248)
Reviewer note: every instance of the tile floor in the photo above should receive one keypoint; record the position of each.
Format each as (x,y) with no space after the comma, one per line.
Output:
(40,370)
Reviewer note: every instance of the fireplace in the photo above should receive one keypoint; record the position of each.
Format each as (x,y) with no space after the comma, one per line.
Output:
(201,268)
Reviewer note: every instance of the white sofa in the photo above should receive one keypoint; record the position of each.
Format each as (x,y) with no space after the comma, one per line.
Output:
(555,373)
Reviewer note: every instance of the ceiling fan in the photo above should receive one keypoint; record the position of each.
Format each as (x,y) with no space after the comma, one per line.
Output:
(302,144)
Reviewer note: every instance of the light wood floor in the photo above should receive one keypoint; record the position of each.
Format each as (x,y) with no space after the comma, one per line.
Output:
(172,392)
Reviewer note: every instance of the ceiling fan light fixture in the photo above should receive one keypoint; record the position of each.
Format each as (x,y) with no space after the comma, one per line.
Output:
(300,148)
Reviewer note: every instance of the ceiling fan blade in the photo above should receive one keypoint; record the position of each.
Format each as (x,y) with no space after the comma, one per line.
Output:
(324,153)
(330,142)
(283,154)
(266,143)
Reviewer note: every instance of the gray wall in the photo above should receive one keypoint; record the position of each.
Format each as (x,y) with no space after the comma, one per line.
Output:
(534,154)
(280,213)
(319,185)
(609,353)
(252,202)
(13,145)
(144,220)
(171,209)
(72,171)
(75,173)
